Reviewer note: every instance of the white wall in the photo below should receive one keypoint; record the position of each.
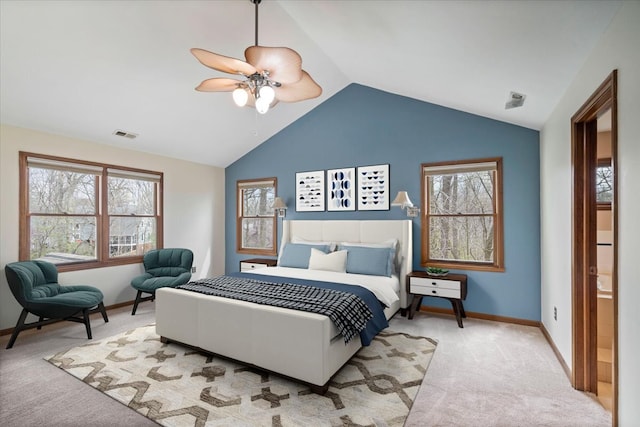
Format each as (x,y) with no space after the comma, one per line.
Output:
(193,211)
(618,49)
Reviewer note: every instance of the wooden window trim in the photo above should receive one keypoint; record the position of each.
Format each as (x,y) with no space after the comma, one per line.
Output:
(498,263)
(239,216)
(102,217)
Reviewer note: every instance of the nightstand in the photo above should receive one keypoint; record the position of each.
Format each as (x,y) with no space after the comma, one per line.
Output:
(254,263)
(452,287)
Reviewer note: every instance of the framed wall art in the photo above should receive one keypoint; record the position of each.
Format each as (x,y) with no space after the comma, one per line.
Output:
(310,191)
(373,188)
(341,189)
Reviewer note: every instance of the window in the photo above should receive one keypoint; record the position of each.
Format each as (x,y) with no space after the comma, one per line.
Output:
(256,222)
(62,219)
(604,184)
(462,224)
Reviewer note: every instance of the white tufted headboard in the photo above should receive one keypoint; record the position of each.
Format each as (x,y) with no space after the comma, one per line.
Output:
(363,231)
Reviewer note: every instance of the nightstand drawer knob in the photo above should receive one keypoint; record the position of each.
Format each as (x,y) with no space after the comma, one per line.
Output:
(434,283)
(434,292)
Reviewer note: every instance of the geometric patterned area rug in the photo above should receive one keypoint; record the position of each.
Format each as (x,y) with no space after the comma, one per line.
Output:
(177,386)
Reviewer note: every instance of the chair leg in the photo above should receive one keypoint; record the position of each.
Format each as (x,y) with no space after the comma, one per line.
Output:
(87,322)
(135,304)
(18,328)
(140,298)
(40,320)
(104,312)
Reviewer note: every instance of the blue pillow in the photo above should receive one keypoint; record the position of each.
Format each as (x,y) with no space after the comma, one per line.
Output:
(297,255)
(371,261)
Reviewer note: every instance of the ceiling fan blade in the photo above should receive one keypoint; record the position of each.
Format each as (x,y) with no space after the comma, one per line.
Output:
(226,64)
(283,64)
(219,84)
(305,88)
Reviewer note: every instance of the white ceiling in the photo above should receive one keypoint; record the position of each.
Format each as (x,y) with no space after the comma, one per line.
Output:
(86,68)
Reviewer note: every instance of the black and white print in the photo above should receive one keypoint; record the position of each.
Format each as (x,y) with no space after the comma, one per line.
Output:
(373,188)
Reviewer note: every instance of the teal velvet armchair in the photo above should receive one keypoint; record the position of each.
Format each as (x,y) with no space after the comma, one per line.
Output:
(35,286)
(169,267)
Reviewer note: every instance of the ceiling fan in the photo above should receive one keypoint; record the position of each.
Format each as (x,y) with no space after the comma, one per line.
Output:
(271,74)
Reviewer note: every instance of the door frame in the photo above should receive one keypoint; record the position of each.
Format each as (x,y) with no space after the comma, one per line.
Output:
(584,251)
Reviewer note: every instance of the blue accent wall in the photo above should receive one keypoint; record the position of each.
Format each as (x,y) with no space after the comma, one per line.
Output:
(361,126)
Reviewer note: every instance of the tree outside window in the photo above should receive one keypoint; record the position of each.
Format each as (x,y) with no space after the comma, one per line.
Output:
(63,213)
(256,227)
(462,224)
(61,219)
(604,184)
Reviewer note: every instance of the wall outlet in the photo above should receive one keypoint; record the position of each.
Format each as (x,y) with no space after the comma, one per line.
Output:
(193,269)
(555,313)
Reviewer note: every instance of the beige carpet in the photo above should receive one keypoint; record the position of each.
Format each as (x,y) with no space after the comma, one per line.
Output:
(175,386)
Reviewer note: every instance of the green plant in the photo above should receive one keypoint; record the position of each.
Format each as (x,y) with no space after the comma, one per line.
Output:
(436,270)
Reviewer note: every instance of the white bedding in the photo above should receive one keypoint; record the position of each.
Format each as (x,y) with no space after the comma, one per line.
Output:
(385,288)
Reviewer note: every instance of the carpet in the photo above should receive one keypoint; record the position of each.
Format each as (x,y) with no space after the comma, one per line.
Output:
(177,386)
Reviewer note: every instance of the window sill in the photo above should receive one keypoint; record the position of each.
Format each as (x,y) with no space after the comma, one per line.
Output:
(62,268)
(464,266)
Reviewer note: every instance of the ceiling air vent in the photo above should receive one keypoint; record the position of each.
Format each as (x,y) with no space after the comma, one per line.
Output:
(124,134)
(515,100)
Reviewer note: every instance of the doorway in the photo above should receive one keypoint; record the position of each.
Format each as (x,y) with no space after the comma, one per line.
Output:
(594,248)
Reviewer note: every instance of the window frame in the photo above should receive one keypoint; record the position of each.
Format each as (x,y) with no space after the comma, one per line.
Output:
(497,265)
(101,214)
(244,183)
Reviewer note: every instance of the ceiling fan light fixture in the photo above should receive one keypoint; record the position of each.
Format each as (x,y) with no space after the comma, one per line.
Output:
(271,75)
(268,94)
(240,96)
(262,106)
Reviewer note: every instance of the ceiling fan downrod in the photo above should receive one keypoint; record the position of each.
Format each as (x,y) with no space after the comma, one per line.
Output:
(256,2)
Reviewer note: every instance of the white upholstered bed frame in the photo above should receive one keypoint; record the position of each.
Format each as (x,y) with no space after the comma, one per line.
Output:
(293,343)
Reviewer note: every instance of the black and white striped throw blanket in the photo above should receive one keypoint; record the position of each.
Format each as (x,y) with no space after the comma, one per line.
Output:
(348,312)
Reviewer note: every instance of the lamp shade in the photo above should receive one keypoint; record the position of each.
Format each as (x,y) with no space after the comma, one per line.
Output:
(278,203)
(402,200)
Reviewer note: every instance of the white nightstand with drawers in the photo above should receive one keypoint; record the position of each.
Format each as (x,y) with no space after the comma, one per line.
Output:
(255,263)
(452,287)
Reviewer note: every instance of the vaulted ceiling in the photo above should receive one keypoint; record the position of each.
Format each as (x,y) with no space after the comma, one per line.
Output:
(86,68)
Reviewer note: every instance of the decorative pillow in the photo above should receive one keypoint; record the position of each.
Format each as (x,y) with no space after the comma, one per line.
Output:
(390,243)
(296,239)
(333,261)
(371,261)
(297,255)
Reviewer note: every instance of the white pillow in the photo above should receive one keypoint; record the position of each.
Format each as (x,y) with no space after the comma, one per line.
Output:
(297,239)
(333,261)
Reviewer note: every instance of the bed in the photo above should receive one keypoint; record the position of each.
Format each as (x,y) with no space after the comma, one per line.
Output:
(301,345)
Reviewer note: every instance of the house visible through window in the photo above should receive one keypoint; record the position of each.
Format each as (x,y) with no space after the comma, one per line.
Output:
(462,224)
(256,222)
(79,214)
